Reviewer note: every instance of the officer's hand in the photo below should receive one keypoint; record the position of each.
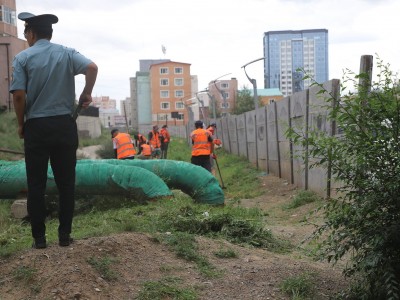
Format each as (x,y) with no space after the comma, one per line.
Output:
(85,99)
(21,132)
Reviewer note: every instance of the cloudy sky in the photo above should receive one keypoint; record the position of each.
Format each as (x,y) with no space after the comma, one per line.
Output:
(215,36)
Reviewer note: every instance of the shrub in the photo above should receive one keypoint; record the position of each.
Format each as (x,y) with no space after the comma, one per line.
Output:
(363,221)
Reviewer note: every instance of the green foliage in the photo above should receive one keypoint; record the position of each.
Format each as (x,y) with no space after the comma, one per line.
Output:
(302,198)
(185,246)
(9,135)
(166,288)
(225,253)
(244,101)
(102,265)
(25,274)
(299,287)
(363,221)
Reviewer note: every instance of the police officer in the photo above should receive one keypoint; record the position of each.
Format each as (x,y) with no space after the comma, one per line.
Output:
(44,95)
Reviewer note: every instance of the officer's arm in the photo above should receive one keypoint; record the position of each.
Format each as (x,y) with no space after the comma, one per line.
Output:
(19,107)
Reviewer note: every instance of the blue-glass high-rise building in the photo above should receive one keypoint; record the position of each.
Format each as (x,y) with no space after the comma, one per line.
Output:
(287,51)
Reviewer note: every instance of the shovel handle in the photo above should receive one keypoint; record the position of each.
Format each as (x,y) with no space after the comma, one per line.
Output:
(77,110)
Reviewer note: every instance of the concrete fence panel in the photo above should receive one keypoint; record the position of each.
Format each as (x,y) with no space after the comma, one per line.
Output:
(241,133)
(251,136)
(272,135)
(284,143)
(261,138)
(298,115)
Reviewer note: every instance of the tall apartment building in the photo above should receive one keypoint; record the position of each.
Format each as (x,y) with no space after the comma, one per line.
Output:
(171,91)
(10,45)
(287,51)
(224,92)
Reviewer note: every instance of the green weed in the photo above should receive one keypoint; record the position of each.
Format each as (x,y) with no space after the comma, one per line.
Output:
(102,265)
(302,198)
(25,274)
(185,247)
(299,287)
(225,253)
(166,288)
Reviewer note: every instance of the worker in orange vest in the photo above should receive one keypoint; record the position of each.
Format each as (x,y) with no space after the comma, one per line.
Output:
(123,145)
(202,146)
(165,138)
(146,151)
(139,141)
(154,141)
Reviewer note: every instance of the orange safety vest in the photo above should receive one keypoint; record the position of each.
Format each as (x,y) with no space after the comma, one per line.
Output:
(146,150)
(164,132)
(201,144)
(155,140)
(124,145)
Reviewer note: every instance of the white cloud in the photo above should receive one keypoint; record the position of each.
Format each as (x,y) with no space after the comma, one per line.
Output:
(215,37)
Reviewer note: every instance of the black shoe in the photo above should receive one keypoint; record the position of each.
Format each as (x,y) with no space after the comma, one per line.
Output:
(39,243)
(64,240)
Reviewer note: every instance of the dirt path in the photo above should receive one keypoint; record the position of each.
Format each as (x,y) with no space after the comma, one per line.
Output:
(64,273)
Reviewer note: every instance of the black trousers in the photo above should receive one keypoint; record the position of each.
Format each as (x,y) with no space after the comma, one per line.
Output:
(202,161)
(53,139)
(164,150)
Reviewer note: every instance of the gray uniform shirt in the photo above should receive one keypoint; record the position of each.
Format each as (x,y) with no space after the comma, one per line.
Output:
(46,71)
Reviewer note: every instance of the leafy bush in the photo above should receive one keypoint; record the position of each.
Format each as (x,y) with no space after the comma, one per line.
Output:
(363,220)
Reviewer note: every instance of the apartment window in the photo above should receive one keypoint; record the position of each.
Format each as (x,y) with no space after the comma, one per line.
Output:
(224,85)
(225,105)
(179,105)
(178,93)
(164,82)
(164,94)
(163,70)
(7,15)
(271,101)
(178,70)
(164,105)
(178,81)
(226,95)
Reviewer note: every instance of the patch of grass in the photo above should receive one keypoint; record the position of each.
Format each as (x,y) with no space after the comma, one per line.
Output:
(25,274)
(185,246)
(166,288)
(302,198)
(299,287)
(102,265)
(225,253)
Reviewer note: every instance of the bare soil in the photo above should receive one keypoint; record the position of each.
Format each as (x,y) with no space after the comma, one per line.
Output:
(65,273)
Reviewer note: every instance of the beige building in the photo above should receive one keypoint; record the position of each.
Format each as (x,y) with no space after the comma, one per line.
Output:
(171,87)
(224,94)
(10,45)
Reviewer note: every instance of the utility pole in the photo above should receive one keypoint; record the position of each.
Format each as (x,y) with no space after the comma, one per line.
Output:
(253,82)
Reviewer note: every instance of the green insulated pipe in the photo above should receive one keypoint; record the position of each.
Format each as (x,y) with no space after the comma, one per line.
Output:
(91,179)
(141,179)
(193,180)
